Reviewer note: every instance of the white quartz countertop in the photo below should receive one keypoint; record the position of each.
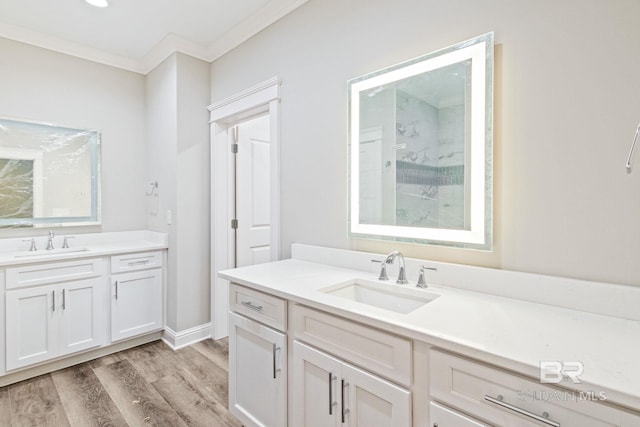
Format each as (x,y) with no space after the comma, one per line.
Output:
(82,246)
(513,334)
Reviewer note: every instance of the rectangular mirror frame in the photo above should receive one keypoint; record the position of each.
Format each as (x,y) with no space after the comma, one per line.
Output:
(479,234)
(36,141)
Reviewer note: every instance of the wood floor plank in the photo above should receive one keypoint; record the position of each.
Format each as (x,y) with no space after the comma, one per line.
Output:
(5,405)
(144,386)
(35,402)
(192,402)
(154,360)
(217,351)
(137,400)
(108,359)
(213,378)
(84,399)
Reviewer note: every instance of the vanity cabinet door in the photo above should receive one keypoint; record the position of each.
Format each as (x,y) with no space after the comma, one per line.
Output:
(328,392)
(45,322)
(83,315)
(372,401)
(31,325)
(136,303)
(316,388)
(257,373)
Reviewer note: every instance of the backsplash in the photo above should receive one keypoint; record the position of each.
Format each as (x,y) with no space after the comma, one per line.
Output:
(608,299)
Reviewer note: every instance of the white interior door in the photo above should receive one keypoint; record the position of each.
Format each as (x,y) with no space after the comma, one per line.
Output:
(253,192)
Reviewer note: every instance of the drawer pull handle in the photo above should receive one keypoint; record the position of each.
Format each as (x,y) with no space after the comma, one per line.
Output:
(275,368)
(64,299)
(345,410)
(543,419)
(251,306)
(116,289)
(132,263)
(53,297)
(332,378)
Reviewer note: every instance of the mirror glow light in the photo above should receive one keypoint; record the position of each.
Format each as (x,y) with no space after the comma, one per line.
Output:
(477,233)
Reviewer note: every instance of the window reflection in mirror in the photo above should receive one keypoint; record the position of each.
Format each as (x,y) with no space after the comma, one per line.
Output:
(420,155)
(49,175)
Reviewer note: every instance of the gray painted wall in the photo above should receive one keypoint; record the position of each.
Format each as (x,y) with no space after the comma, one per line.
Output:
(566,106)
(178,151)
(47,86)
(154,128)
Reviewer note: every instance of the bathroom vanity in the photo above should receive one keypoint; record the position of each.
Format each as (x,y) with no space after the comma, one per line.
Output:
(101,294)
(325,343)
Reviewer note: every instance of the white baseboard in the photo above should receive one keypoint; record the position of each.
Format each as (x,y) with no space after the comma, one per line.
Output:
(177,340)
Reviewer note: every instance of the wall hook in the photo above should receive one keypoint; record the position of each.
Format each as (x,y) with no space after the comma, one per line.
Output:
(154,187)
(633,147)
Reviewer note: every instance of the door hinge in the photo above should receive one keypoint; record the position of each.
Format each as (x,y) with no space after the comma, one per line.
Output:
(234,224)
(234,135)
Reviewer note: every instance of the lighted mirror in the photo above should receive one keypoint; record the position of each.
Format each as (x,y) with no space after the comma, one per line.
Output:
(420,148)
(49,175)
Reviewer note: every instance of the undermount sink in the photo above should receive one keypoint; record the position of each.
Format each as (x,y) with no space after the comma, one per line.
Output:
(43,253)
(395,298)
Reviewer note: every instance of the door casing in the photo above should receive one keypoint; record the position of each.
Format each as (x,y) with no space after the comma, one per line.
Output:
(261,98)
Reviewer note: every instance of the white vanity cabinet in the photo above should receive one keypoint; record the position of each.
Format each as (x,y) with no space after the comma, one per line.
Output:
(509,400)
(53,310)
(330,390)
(136,294)
(257,358)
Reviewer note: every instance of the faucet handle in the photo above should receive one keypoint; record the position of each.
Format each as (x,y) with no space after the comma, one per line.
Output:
(383,269)
(422,283)
(33,244)
(65,242)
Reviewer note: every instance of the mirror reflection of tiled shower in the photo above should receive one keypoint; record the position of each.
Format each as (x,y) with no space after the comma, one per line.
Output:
(412,170)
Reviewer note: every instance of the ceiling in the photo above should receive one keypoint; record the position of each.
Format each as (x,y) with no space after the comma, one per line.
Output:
(139,34)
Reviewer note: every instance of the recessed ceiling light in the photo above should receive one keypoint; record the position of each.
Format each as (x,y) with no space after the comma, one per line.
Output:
(98,3)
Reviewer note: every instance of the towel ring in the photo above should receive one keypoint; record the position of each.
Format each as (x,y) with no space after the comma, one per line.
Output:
(633,147)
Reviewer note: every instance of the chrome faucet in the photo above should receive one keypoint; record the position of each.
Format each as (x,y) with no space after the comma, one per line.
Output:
(50,242)
(402,278)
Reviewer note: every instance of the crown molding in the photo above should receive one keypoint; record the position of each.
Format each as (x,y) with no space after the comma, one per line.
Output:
(56,44)
(258,21)
(171,43)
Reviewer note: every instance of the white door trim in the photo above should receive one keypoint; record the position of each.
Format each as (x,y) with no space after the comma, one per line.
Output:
(261,98)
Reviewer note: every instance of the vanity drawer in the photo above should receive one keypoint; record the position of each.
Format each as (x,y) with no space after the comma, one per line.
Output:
(136,261)
(54,272)
(264,308)
(385,354)
(506,399)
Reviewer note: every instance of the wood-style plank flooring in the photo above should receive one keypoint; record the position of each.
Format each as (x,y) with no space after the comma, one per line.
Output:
(149,385)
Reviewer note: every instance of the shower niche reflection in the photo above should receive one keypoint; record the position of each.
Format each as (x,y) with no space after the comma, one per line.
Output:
(420,149)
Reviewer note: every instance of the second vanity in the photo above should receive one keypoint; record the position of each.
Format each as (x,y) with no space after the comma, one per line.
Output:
(101,294)
(313,343)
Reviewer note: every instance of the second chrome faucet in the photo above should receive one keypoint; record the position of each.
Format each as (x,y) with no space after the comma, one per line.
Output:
(402,277)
